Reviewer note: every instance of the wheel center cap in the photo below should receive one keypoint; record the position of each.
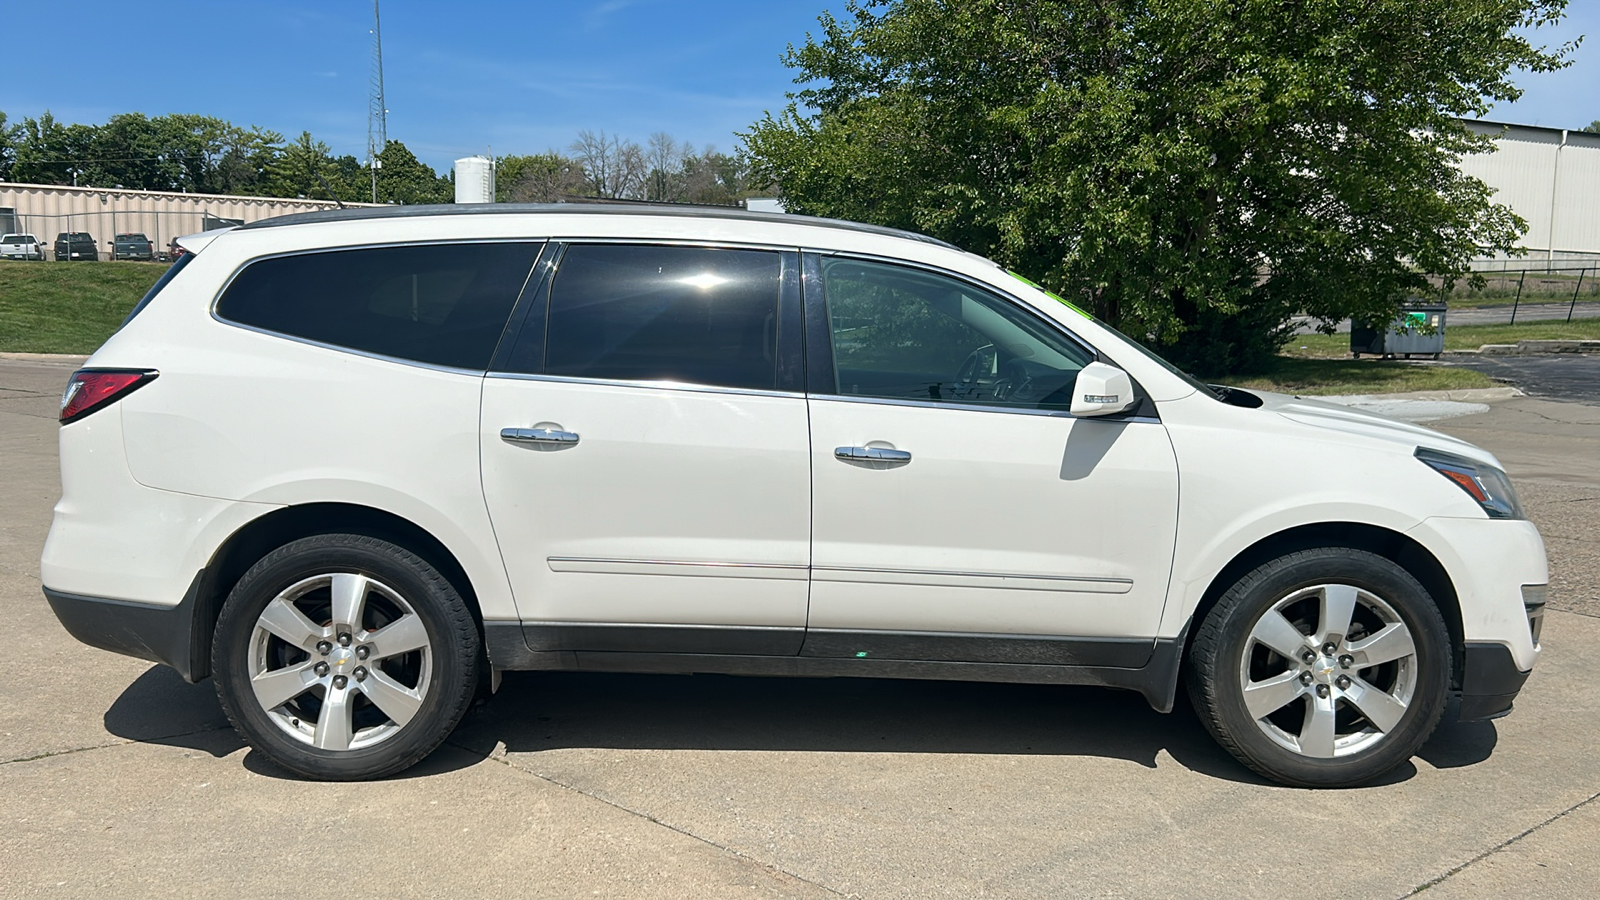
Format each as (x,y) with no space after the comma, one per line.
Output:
(1325,669)
(341,658)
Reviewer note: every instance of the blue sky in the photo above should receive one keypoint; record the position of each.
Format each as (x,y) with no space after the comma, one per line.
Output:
(517,77)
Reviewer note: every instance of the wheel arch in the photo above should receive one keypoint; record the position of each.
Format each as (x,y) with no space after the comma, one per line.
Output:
(1392,545)
(266,533)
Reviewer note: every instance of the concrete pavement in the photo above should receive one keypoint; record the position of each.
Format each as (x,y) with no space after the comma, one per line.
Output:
(116,779)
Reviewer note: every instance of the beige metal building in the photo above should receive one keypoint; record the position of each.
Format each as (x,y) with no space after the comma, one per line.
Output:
(45,210)
(1551,178)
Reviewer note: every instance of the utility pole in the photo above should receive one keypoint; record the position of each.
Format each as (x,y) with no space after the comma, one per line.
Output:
(377,111)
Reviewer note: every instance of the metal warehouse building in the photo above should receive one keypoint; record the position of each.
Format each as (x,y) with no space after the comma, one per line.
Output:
(1551,178)
(45,210)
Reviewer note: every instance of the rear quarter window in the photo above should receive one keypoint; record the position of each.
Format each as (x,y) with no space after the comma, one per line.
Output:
(442,304)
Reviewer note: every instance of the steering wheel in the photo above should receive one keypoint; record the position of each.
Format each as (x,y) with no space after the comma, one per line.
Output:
(1015,383)
(978,362)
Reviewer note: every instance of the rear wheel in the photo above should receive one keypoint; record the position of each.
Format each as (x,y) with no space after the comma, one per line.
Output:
(1323,668)
(344,657)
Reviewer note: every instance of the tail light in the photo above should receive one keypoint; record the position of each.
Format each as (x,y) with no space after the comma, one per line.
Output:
(92,389)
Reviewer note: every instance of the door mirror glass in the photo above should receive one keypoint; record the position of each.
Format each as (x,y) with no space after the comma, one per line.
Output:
(1102,390)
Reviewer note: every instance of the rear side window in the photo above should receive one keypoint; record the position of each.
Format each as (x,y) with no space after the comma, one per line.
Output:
(444,304)
(650,313)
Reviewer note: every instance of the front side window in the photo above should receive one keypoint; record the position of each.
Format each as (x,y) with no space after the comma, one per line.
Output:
(444,304)
(905,334)
(656,313)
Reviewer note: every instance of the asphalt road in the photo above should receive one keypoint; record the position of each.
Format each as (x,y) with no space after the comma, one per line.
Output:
(1563,376)
(1494,315)
(116,779)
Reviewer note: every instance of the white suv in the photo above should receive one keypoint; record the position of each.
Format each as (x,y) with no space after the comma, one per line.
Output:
(355,464)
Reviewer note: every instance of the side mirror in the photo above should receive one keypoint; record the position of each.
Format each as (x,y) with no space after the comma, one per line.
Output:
(1102,390)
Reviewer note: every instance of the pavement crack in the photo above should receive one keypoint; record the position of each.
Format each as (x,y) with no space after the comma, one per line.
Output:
(49,753)
(154,739)
(652,819)
(1575,612)
(1436,881)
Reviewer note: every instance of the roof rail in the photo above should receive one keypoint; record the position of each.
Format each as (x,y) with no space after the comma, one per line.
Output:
(587,209)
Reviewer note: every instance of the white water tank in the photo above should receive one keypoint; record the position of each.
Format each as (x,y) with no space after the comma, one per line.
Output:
(475,180)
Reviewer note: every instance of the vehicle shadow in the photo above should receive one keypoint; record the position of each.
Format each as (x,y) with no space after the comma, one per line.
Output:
(538,711)
(1457,744)
(159,707)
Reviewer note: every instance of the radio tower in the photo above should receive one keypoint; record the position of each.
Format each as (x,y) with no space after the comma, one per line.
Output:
(377,112)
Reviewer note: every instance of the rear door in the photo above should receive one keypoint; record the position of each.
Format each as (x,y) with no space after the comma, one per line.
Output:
(961,512)
(645,453)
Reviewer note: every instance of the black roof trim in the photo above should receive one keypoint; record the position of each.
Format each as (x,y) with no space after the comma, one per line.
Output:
(588,209)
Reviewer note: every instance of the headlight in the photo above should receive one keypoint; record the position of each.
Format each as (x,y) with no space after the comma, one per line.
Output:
(1485,484)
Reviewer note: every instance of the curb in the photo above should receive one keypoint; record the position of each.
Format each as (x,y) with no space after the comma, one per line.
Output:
(1469,395)
(1530,348)
(45,357)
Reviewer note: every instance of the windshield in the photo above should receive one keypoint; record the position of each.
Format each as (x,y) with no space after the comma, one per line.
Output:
(1188,379)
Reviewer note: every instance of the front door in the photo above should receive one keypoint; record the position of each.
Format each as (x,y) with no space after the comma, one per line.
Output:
(646,470)
(960,512)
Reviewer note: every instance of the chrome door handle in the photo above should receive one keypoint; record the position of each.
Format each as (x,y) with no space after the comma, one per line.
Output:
(880,454)
(538,436)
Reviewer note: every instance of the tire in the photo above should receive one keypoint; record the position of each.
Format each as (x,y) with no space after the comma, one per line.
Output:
(401,676)
(1266,687)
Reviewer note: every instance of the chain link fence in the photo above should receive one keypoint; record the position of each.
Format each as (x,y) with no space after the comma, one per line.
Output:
(160,227)
(1544,293)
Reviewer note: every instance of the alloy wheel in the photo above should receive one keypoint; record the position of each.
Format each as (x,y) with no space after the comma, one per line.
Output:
(1329,671)
(340,661)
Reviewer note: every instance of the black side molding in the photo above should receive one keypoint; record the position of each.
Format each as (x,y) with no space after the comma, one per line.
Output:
(162,634)
(1490,681)
(510,647)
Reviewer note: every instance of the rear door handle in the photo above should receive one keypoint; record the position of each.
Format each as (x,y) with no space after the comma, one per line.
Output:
(538,436)
(880,454)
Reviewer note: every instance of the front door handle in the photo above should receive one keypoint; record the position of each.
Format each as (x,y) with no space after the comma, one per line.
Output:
(877,454)
(538,436)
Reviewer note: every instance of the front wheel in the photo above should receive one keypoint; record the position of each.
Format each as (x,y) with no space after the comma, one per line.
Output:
(344,657)
(1322,668)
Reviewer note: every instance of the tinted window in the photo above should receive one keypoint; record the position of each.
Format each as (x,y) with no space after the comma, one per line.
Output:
(665,314)
(905,334)
(444,304)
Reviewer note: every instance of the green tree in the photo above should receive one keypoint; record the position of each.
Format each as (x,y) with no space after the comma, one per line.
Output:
(1195,171)
(1591,128)
(713,178)
(402,178)
(547,177)
(9,135)
(294,171)
(49,152)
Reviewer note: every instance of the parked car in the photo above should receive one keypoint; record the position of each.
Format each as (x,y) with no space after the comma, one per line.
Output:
(359,463)
(76,245)
(133,246)
(20,246)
